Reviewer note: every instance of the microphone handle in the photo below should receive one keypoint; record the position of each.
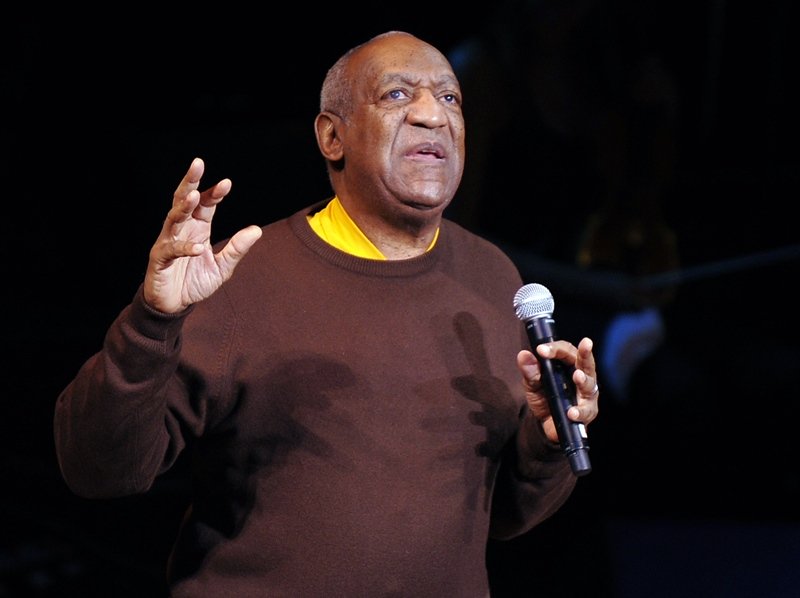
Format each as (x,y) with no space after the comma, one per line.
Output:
(560,391)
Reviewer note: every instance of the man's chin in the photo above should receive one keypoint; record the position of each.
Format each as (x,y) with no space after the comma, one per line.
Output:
(429,198)
(426,207)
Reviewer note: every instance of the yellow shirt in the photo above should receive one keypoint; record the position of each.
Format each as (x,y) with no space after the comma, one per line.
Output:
(336,227)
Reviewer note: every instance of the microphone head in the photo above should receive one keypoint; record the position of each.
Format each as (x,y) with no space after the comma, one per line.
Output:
(533,301)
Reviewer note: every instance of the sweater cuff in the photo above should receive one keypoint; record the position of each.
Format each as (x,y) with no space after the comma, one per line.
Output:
(534,448)
(155,324)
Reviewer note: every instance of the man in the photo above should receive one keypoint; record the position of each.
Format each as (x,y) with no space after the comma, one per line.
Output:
(360,400)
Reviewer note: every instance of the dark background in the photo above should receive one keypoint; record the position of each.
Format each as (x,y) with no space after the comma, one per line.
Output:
(696,479)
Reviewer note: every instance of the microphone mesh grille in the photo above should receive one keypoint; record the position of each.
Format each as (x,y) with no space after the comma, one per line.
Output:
(533,300)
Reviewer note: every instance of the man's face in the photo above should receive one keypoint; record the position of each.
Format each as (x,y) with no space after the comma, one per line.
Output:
(404,142)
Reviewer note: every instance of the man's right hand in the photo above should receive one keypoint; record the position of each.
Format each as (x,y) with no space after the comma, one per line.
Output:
(182,269)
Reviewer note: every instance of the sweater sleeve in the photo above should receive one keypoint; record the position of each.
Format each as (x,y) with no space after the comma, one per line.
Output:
(113,429)
(533,482)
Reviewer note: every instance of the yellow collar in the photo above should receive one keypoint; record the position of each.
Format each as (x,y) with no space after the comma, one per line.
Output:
(336,227)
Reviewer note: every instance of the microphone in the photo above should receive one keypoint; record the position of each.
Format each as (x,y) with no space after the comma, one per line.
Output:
(534,305)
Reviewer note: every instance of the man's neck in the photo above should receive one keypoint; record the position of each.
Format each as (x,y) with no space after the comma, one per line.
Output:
(399,243)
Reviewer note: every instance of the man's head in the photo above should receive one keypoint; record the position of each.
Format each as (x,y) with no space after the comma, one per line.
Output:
(392,131)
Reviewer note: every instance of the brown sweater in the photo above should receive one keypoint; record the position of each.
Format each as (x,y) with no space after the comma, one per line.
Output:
(358,426)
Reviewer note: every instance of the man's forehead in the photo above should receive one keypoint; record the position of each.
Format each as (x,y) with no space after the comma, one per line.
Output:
(404,65)
(443,78)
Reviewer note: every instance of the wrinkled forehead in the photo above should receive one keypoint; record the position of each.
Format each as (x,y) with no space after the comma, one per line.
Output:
(401,57)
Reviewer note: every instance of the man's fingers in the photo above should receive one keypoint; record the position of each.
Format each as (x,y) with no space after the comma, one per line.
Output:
(190,181)
(235,249)
(207,205)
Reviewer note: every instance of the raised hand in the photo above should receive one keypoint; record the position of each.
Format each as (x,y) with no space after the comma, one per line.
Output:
(182,268)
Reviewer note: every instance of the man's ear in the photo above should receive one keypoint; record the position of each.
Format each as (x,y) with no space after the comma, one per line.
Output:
(326,127)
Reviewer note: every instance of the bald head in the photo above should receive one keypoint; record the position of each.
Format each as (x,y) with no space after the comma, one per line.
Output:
(336,94)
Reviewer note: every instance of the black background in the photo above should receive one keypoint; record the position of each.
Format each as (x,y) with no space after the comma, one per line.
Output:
(696,481)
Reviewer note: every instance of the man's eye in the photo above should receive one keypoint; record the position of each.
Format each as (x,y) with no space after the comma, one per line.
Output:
(450,98)
(396,94)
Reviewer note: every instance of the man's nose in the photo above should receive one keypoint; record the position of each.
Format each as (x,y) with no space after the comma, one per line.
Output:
(426,110)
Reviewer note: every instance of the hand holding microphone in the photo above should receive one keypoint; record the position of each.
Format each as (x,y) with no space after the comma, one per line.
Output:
(534,305)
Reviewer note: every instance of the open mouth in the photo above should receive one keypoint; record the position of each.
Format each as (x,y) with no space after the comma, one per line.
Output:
(433,150)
